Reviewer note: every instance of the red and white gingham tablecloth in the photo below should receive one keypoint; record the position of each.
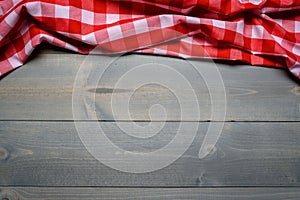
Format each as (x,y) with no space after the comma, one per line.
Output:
(259,32)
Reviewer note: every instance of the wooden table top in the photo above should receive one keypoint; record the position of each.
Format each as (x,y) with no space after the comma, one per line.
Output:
(42,157)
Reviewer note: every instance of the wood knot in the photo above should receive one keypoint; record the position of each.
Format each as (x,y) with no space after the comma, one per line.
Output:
(7,194)
(3,154)
(296,90)
(201,180)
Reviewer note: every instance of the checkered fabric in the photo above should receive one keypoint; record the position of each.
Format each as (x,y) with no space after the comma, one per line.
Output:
(258,32)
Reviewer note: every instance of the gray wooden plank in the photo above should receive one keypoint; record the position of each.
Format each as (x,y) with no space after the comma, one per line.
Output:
(32,193)
(42,90)
(247,154)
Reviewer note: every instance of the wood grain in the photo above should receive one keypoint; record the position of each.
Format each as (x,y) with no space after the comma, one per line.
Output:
(42,90)
(42,156)
(247,154)
(69,193)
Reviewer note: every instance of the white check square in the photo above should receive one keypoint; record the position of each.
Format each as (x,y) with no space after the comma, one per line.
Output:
(166,21)
(115,32)
(62,11)
(257,32)
(28,48)
(240,27)
(87,17)
(218,23)
(34,8)
(297,27)
(141,26)
(112,18)
(12,18)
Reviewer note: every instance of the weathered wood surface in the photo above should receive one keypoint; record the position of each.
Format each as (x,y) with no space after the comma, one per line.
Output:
(42,90)
(256,157)
(69,193)
(247,154)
